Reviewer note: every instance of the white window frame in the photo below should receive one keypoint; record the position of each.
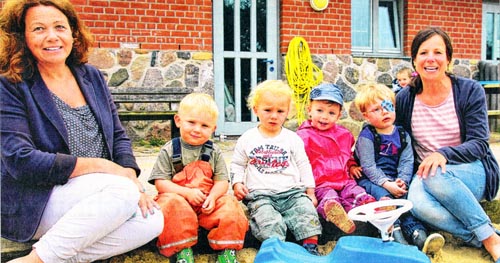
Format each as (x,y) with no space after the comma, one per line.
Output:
(373,28)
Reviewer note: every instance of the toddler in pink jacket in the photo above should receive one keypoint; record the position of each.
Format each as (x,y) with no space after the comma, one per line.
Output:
(329,148)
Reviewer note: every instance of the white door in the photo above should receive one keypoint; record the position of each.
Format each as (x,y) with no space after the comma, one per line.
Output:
(246,34)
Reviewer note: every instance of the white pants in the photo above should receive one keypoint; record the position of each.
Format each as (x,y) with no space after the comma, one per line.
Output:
(94,217)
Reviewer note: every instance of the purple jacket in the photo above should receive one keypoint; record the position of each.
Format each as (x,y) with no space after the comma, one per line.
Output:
(35,152)
(470,105)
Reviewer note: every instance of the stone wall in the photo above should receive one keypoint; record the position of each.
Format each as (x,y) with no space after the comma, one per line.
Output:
(125,68)
(141,68)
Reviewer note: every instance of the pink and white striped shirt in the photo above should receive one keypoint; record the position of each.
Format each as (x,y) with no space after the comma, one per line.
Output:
(434,127)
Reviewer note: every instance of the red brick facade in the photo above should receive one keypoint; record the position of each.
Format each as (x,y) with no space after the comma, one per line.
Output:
(187,24)
(155,24)
(462,19)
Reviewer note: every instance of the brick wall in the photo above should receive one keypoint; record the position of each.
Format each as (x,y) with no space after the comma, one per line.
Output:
(326,32)
(154,24)
(329,31)
(187,24)
(462,20)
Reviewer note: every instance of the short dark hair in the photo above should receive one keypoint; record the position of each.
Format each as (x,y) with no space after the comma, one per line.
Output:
(422,36)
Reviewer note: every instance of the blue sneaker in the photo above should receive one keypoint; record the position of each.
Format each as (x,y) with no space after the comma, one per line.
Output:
(312,249)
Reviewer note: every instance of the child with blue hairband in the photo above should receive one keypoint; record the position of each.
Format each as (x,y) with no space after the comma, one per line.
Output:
(386,157)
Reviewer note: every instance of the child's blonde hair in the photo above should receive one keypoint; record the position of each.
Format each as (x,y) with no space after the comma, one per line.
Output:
(369,93)
(276,87)
(199,102)
(407,71)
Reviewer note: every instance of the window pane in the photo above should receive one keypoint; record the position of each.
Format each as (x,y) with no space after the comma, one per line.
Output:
(228,25)
(261,25)
(246,115)
(361,25)
(245,21)
(229,92)
(261,70)
(489,35)
(388,25)
(496,46)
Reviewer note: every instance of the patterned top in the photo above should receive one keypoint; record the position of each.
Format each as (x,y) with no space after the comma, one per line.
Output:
(272,165)
(84,134)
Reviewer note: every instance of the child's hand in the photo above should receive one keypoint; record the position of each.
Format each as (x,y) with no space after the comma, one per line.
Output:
(401,184)
(394,189)
(310,193)
(355,172)
(240,191)
(195,197)
(313,199)
(208,206)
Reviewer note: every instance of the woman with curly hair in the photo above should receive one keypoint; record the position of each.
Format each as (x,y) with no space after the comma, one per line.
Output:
(69,176)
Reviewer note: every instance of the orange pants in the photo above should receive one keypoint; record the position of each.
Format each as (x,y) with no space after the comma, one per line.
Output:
(227,224)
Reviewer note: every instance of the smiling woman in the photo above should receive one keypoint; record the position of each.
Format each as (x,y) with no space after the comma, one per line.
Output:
(60,135)
(446,117)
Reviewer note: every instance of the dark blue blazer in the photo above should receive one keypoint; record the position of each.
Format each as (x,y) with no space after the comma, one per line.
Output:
(35,153)
(470,106)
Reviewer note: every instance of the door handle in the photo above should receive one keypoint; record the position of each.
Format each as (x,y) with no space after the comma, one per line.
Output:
(270,61)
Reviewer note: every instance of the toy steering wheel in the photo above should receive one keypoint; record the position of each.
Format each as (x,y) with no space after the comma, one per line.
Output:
(381,214)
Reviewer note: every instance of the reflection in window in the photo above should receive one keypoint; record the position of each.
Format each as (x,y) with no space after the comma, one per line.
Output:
(246,84)
(492,47)
(229,92)
(376,26)
(261,26)
(245,24)
(261,70)
(228,25)
(361,17)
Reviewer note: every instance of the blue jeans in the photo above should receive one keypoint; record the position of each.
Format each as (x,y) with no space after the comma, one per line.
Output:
(272,214)
(450,201)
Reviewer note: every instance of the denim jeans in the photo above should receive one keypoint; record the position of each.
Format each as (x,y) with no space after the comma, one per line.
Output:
(272,214)
(450,201)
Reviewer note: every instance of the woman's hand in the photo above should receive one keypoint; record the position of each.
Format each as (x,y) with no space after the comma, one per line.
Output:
(147,205)
(430,164)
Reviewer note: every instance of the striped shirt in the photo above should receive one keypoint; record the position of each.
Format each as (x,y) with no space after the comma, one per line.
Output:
(434,127)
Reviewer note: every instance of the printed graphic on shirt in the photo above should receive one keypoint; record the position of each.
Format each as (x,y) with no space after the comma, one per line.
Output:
(269,159)
(389,149)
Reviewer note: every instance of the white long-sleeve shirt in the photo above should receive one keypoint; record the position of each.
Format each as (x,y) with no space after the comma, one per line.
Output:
(275,164)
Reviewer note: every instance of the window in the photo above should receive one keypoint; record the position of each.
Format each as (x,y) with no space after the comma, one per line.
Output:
(490,44)
(376,27)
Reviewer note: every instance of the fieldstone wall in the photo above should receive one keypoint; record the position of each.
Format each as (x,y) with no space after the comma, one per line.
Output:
(125,68)
(165,69)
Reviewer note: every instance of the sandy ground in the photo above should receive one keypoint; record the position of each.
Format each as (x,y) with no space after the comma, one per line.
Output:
(454,250)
